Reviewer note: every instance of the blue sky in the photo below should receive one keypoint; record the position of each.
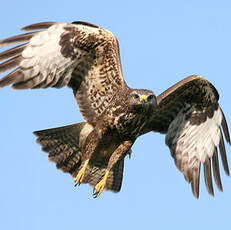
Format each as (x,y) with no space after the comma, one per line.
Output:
(161,42)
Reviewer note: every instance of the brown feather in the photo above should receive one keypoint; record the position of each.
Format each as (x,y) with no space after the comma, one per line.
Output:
(184,83)
(96,170)
(216,170)
(196,181)
(12,77)
(12,52)
(223,154)
(17,39)
(85,24)
(38,26)
(10,64)
(225,128)
(29,83)
(190,91)
(173,88)
(208,176)
(62,145)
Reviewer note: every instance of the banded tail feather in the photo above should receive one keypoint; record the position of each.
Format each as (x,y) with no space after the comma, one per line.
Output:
(62,145)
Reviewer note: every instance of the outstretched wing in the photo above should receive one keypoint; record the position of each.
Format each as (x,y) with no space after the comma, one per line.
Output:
(192,119)
(80,55)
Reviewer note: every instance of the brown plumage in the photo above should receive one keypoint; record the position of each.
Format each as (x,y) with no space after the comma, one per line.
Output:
(64,146)
(85,57)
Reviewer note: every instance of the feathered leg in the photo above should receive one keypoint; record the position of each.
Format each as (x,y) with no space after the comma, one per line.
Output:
(118,154)
(89,147)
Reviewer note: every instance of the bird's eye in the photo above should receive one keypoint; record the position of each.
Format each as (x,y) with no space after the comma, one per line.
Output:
(136,96)
(150,97)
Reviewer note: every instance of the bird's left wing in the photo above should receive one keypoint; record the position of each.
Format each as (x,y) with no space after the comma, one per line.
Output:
(52,54)
(192,119)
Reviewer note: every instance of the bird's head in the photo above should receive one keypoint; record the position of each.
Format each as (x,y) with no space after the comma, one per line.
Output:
(143,98)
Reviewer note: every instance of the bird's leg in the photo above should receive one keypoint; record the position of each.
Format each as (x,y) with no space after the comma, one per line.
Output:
(80,176)
(118,154)
(88,149)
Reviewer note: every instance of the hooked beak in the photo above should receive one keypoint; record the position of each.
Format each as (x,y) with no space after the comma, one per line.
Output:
(143,99)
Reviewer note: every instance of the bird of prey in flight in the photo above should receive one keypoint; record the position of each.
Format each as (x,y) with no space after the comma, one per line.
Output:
(85,57)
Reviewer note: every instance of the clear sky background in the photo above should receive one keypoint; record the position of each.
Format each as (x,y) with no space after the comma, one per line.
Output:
(161,42)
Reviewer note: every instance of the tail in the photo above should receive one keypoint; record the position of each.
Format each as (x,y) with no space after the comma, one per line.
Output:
(64,147)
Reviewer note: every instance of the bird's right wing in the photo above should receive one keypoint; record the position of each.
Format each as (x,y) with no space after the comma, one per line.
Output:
(81,55)
(192,119)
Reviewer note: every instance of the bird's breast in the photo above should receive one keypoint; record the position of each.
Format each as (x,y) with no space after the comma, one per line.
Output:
(107,146)
(129,125)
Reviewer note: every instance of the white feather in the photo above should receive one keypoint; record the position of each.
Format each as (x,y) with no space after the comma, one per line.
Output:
(191,144)
(43,56)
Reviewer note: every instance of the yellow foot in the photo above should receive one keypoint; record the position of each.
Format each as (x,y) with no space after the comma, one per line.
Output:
(100,186)
(81,173)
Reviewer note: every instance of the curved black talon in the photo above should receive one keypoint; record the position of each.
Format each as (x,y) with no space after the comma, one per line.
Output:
(77,184)
(95,194)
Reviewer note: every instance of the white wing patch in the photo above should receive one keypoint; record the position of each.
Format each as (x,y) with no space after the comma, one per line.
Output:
(192,144)
(43,61)
(199,140)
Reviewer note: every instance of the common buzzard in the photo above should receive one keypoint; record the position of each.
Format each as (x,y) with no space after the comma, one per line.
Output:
(86,58)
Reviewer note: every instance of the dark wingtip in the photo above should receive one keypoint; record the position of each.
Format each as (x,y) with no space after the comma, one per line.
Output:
(216,170)
(223,154)
(36,133)
(85,24)
(195,194)
(208,176)
(225,128)
(195,182)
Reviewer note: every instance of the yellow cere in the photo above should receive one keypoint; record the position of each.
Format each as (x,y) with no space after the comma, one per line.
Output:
(143,97)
